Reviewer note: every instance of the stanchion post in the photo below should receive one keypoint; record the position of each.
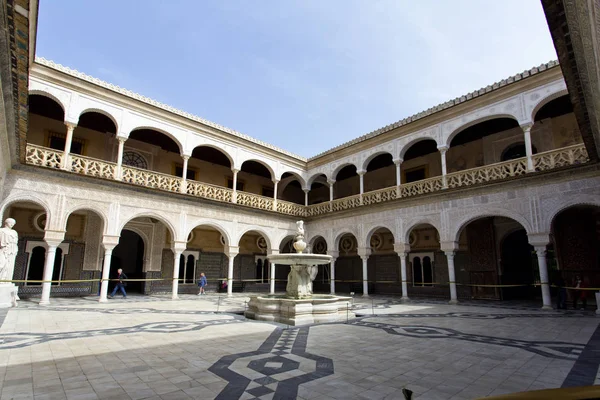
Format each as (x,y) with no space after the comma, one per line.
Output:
(218,303)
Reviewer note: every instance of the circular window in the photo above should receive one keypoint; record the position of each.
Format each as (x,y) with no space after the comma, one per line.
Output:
(191,237)
(134,159)
(376,241)
(39,222)
(320,247)
(413,238)
(261,243)
(347,244)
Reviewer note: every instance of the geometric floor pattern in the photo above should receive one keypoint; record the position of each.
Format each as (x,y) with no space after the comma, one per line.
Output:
(202,347)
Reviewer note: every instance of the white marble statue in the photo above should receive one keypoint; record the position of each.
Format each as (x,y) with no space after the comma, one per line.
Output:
(300,227)
(8,250)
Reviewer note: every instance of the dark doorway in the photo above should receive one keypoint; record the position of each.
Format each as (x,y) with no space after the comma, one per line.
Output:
(518,267)
(36,265)
(129,256)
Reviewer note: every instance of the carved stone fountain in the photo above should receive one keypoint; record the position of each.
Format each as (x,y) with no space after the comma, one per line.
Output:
(299,306)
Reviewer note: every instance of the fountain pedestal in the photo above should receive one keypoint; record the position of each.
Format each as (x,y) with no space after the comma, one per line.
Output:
(299,306)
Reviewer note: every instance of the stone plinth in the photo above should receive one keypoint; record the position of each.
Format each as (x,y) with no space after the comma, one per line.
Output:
(318,309)
(8,296)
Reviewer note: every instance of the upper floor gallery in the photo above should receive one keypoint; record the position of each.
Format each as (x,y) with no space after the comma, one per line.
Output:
(521,125)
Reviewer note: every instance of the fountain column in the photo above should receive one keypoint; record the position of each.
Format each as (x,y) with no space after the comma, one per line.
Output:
(364,253)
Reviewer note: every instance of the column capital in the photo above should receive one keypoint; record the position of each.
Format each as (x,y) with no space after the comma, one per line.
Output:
(538,239)
(121,138)
(361,172)
(186,156)
(54,238)
(443,149)
(331,181)
(305,190)
(364,252)
(540,250)
(178,246)
(450,254)
(398,160)
(275,181)
(71,125)
(333,253)
(232,251)
(400,247)
(526,126)
(110,241)
(447,247)
(235,170)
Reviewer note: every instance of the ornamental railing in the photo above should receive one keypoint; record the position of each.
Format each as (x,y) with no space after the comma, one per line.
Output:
(49,158)
(564,157)
(487,173)
(92,167)
(255,201)
(151,179)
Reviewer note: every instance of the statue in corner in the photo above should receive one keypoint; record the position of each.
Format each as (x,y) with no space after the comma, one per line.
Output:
(8,250)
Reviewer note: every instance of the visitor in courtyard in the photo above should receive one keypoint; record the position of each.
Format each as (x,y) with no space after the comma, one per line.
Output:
(561,300)
(579,294)
(223,286)
(202,283)
(120,284)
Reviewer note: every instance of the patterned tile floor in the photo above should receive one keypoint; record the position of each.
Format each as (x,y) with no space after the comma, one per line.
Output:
(200,347)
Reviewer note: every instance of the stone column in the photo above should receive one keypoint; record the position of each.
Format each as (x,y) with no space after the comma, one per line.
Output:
(183,188)
(451,277)
(306,196)
(361,176)
(275,182)
(68,140)
(528,147)
(178,248)
(53,239)
(231,253)
(119,169)
(403,275)
(234,194)
(397,162)
(109,243)
(544,281)
(364,255)
(272,280)
(443,150)
(331,182)
(335,255)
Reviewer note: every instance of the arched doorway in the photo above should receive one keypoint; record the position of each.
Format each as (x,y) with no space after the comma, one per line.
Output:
(518,266)
(427,268)
(129,256)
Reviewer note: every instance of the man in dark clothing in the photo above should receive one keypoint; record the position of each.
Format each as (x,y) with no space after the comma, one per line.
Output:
(120,284)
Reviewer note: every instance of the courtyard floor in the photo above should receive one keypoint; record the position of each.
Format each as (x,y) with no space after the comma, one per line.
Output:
(150,347)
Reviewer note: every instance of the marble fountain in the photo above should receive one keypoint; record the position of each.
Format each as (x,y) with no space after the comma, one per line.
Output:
(299,306)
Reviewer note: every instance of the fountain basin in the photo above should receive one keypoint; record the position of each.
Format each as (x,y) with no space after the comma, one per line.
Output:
(291,311)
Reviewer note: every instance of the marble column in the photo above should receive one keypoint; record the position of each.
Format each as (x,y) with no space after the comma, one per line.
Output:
(48,270)
(544,281)
(443,150)
(275,182)
(361,176)
(306,196)
(272,280)
(183,188)
(528,146)
(234,194)
(451,277)
(332,276)
(403,275)
(364,253)
(398,162)
(68,141)
(231,256)
(331,182)
(177,259)
(108,249)
(119,169)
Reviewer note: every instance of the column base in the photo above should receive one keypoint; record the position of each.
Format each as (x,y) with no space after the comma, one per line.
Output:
(175,297)
(44,302)
(365,295)
(404,298)
(103,300)
(453,302)
(547,308)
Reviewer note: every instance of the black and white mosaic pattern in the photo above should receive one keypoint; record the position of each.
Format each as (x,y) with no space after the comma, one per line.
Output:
(557,350)
(279,366)
(471,315)
(18,340)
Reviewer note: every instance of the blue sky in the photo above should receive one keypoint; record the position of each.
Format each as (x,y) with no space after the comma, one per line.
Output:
(302,75)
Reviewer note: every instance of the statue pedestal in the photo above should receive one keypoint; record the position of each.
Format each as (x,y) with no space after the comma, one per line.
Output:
(8,296)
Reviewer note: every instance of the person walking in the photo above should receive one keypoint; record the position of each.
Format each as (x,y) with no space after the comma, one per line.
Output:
(202,283)
(120,284)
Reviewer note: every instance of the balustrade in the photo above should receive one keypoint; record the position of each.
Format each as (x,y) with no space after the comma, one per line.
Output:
(564,157)
(49,158)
